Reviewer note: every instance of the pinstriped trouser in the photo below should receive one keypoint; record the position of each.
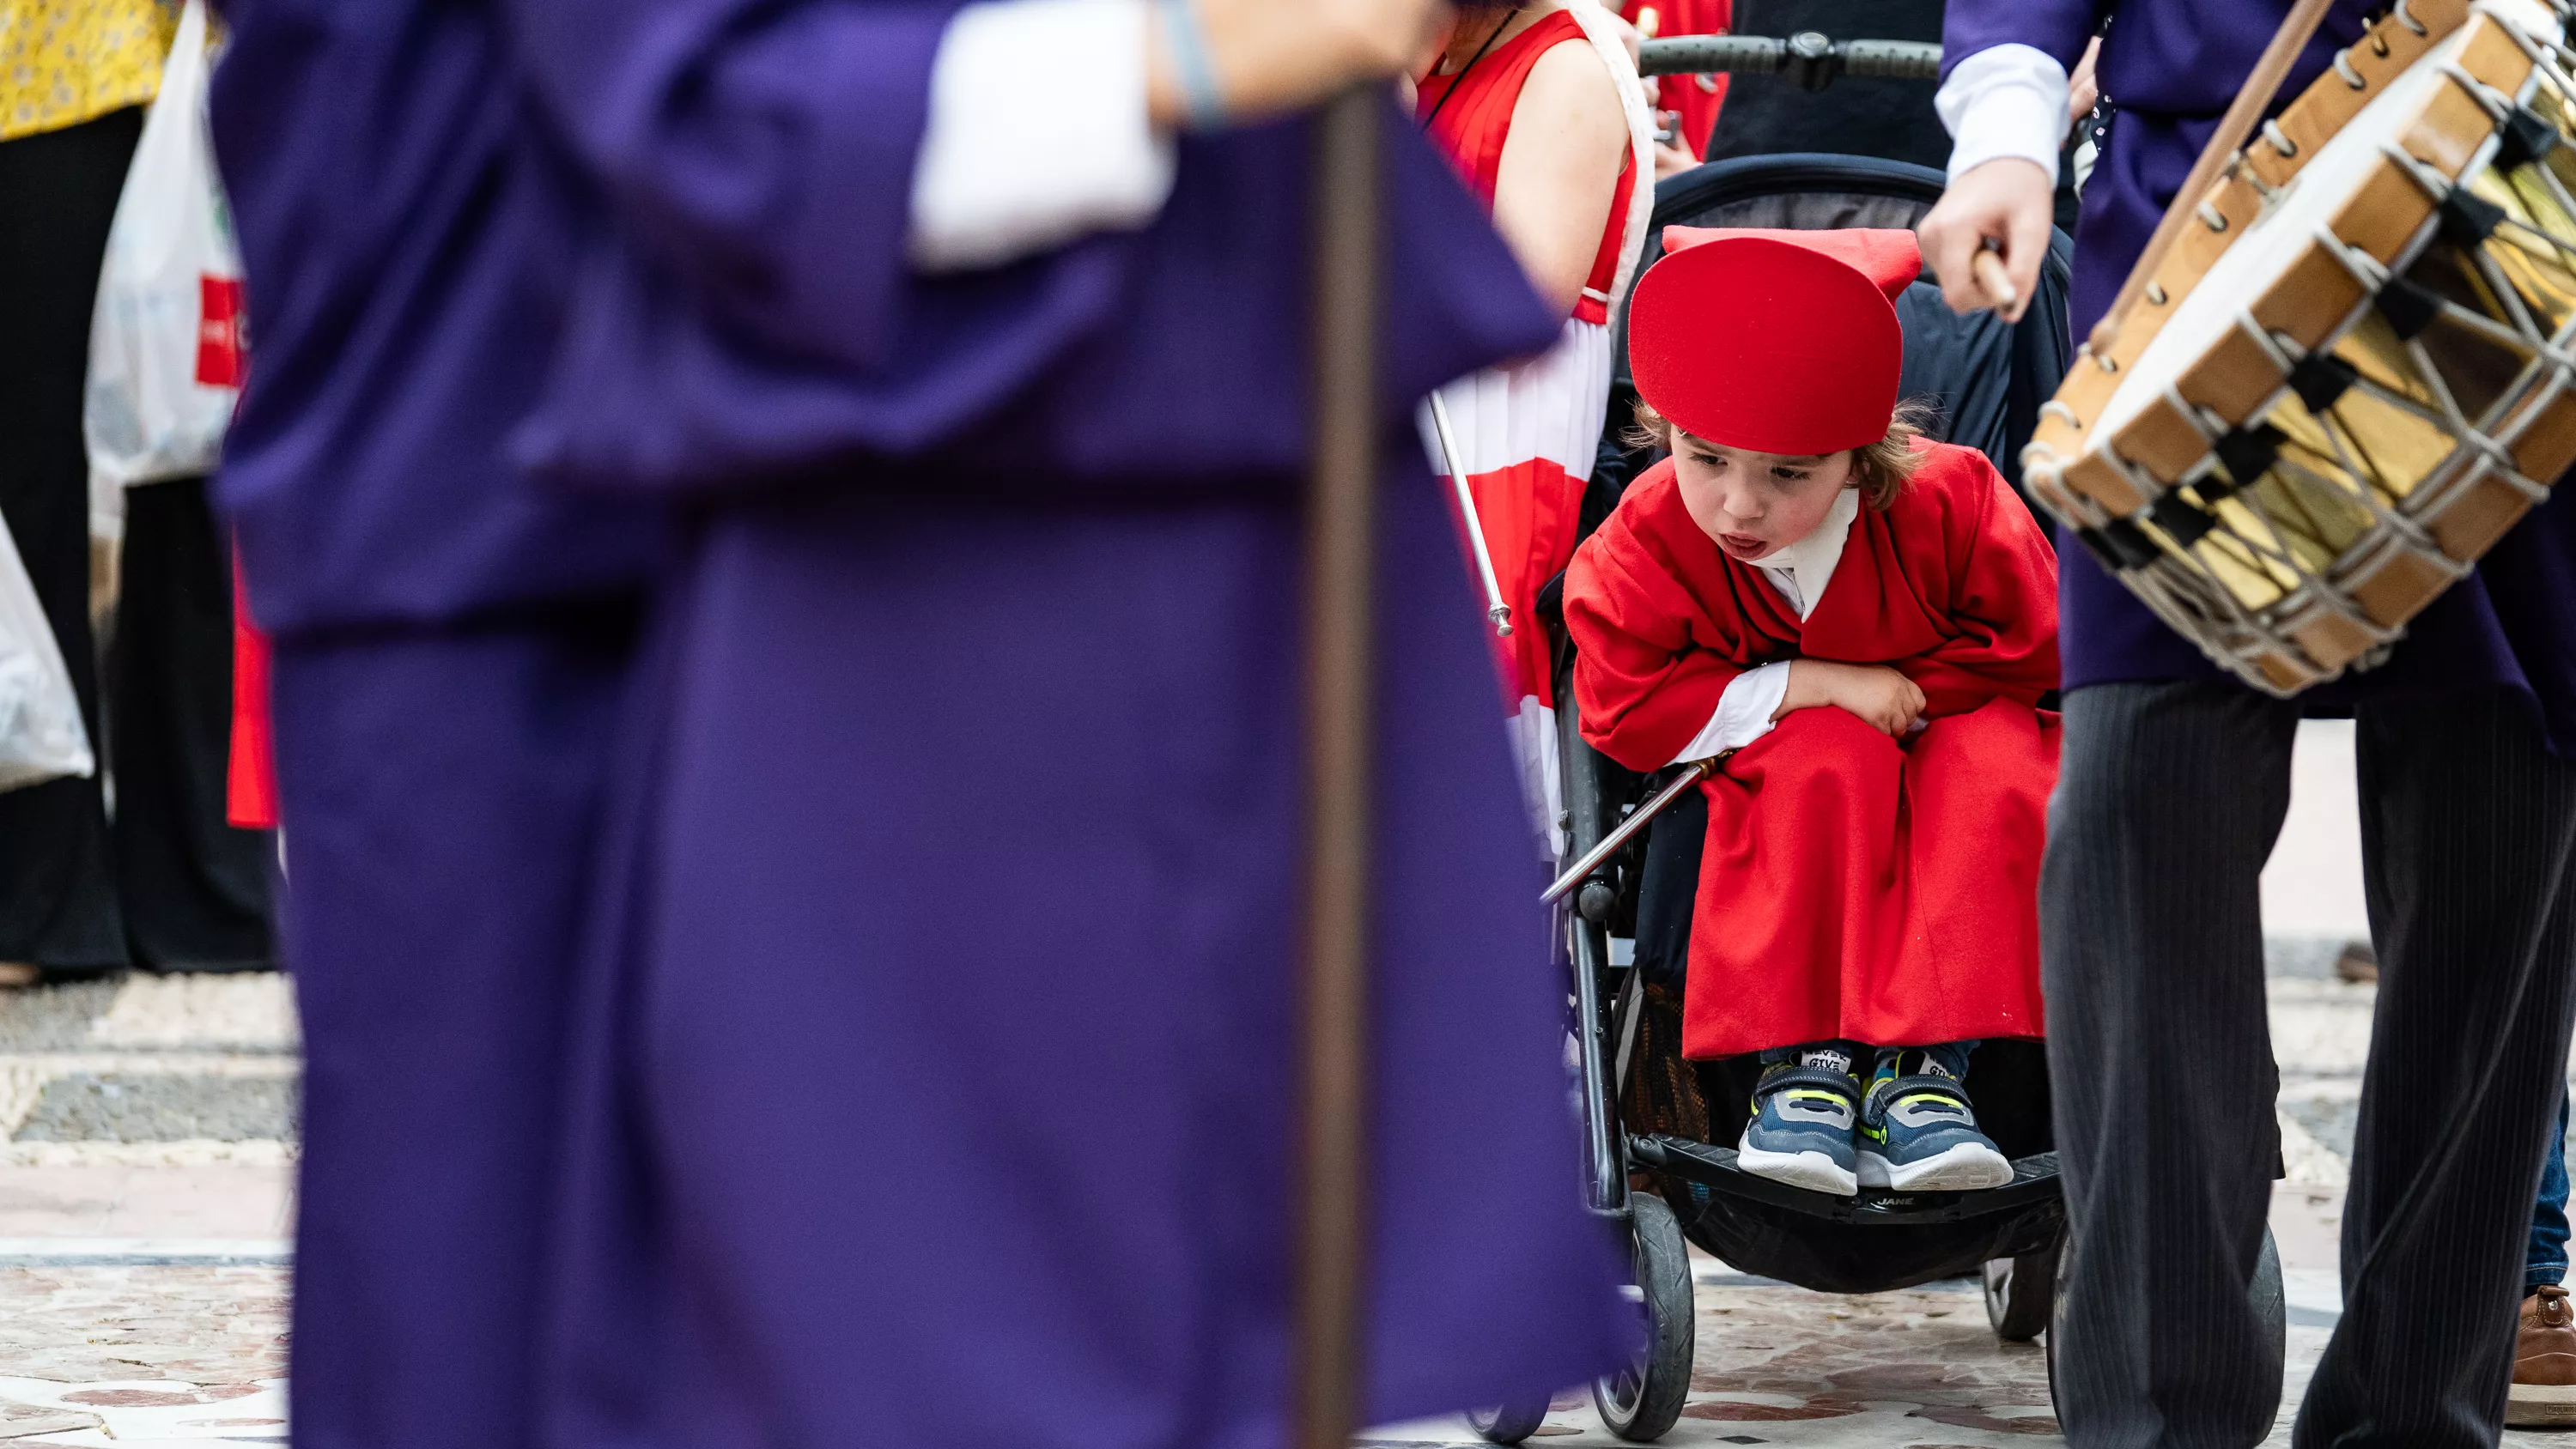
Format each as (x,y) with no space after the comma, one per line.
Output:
(2170,798)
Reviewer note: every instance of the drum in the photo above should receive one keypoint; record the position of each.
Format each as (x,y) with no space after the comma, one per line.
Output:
(2351,374)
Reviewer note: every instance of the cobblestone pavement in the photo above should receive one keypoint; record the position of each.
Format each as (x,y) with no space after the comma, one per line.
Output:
(147,1129)
(147,1143)
(1917,1369)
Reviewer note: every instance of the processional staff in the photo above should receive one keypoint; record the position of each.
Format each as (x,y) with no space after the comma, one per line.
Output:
(1331,1267)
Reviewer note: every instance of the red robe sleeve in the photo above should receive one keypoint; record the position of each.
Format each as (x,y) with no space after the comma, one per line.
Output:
(2000,582)
(1659,629)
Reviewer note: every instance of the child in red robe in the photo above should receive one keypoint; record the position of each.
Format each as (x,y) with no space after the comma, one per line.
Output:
(1860,623)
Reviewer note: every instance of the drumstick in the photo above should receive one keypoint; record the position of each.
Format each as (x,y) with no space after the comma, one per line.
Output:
(1692,774)
(1988,266)
(2233,128)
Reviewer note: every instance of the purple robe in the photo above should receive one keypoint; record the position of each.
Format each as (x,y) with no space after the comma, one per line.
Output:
(2171,67)
(452,654)
(944,1056)
(932,1077)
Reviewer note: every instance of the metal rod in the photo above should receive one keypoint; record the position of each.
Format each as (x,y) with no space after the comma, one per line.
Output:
(1331,1261)
(1692,774)
(1630,1008)
(1495,608)
(1587,953)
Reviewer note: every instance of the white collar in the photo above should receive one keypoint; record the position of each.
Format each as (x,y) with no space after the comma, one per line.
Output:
(1808,565)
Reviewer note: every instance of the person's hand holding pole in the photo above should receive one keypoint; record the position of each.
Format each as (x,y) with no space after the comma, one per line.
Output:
(2005,206)
(1240,60)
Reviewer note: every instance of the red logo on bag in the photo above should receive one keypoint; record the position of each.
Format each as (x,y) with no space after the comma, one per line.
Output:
(219,331)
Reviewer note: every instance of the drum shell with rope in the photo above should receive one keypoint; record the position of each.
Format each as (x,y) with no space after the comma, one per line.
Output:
(2352,373)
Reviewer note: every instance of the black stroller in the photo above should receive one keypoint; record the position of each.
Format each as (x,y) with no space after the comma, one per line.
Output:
(1659,1129)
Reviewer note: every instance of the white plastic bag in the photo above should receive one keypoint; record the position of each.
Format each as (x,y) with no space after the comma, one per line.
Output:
(40,722)
(165,353)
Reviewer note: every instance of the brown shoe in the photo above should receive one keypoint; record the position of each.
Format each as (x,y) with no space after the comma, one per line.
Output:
(2544,1362)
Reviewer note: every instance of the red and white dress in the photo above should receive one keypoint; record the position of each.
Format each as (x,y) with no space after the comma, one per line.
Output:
(1528,431)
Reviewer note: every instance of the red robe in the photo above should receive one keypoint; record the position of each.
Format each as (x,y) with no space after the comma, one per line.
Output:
(1854,886)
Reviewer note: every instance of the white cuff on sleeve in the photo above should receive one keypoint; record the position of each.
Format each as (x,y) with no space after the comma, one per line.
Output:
(2006,100)
(1038,132)
(1743,713)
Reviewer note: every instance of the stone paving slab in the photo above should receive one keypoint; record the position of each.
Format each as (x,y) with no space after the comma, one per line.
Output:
(251,1011)
(93,1199)
(55,1018)
(115,1353)
(202,1325)
(90,1107)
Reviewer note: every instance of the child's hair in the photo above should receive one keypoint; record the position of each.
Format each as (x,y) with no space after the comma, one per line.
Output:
(1881,470)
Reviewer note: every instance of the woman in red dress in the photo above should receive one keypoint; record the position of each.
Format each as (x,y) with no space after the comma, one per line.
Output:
(1542,111)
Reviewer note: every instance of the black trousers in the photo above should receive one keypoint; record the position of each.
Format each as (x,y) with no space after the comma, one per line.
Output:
(167,888)
(194,889)
(2169,800)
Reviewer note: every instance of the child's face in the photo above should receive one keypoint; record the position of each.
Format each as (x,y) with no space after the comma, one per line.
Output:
(1756,504)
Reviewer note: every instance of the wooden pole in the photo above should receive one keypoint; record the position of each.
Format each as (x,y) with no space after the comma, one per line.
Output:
(1333,1218)
(2233,128)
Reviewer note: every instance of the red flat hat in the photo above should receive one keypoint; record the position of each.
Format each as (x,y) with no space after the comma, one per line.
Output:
(1773,341)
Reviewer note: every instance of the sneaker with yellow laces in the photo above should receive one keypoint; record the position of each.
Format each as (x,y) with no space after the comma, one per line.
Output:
(1918,1132)
(1801,1130)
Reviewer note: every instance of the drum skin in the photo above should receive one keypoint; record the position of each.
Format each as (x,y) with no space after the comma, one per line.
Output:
(2346,379)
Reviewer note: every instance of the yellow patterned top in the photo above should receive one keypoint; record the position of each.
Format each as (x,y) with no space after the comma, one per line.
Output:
(63,62)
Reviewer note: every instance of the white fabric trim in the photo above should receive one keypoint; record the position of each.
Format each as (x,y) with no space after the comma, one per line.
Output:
(1533,732)
(2004,101)
(1038,133)
(1598,29)
(1801,571)
(1743,713)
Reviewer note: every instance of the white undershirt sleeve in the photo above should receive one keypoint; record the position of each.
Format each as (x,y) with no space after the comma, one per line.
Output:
(1038,133)
(1743,713)
(2006,100)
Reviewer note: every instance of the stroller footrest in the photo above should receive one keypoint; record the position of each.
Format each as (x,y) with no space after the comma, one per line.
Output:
(2034,1180)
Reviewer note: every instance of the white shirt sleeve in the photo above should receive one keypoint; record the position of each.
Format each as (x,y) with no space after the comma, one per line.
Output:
(1743,713)
(2006,100)
(1038,132)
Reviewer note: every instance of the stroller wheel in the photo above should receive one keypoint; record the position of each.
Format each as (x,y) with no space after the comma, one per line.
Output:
(2020,1293)
(2271,1304)
(1509,1423)
(1641,1401)
(2271,1298)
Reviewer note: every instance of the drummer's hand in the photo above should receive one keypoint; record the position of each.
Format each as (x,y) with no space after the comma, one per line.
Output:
(1880,697)
(1270,57)
(2008,199)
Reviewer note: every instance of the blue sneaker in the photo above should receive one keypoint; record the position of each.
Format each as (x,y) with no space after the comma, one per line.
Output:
(1919,1134)
(1801,1132)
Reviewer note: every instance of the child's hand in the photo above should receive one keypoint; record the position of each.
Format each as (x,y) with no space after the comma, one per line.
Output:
(1881,697)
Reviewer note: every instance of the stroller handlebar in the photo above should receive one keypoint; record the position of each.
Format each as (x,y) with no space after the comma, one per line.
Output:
(1808,57)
